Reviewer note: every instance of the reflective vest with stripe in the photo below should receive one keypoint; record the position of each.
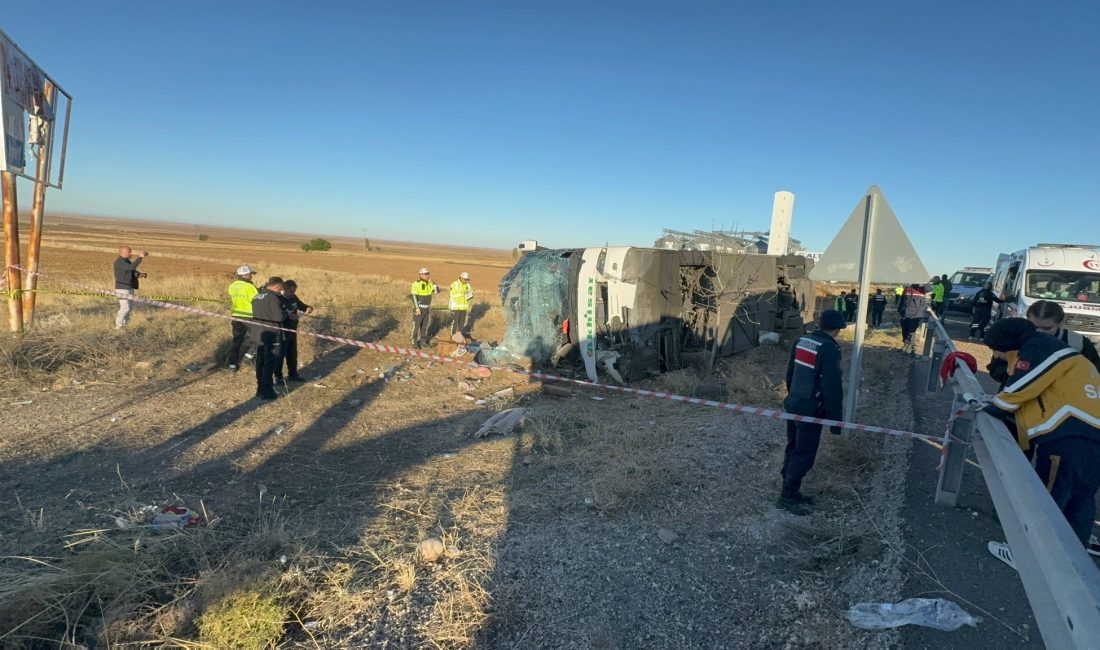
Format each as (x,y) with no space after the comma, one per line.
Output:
(241,293)
(422,293)
(459,292)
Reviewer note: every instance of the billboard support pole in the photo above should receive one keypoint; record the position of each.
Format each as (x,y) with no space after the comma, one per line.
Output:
(38,207)
(11,252)
(864,303)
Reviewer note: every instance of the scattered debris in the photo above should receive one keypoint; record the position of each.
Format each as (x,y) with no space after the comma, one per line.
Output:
(556,391)
(465,385)
(470,397)
(936,613)
(201,367)
(769,338)
(430,550)
(175,517)
(667,536)
(319,385)
(483,372)
(507,393)
(596,398)
(23,402)
(502,423)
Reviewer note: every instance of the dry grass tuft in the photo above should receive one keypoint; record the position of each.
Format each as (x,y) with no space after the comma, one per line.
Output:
(248,620)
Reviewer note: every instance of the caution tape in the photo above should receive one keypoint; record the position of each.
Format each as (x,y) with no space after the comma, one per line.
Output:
(391,349)
(16,293)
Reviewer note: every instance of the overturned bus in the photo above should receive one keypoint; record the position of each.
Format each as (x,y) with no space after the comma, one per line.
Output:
(638,312)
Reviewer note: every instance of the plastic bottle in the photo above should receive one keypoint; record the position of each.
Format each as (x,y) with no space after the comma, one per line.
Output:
(936,613)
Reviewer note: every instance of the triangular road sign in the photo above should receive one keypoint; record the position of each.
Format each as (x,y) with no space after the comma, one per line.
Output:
(893,260)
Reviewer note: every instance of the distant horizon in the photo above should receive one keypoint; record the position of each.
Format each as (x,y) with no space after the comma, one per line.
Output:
(577,124)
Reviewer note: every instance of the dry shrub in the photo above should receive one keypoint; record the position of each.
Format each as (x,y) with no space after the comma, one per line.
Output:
(249,620)
(129,585)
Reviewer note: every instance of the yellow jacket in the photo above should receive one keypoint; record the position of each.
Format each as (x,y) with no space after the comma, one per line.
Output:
(1053,392)
(461,292)
(241,293)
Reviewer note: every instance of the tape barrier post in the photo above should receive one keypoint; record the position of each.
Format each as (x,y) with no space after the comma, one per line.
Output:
(380,347)
(929,334)
(949,484)
(938,351)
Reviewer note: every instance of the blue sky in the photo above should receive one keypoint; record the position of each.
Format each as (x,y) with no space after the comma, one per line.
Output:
(580,123)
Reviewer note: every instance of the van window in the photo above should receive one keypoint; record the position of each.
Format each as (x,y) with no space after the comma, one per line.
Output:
(1072,286)
(966,279)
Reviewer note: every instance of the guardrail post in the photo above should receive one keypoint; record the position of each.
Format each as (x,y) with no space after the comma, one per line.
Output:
(954,456)
(934,366)
(929,335)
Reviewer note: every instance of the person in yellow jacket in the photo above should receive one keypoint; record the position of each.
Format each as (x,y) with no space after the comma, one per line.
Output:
(421,293)
(461,295)
(241,291)
(1053,395)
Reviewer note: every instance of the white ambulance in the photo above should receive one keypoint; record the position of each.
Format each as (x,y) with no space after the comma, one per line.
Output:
(1068,274)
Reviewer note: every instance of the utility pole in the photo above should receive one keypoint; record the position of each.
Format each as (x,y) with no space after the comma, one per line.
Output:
(38,208)
(11,251)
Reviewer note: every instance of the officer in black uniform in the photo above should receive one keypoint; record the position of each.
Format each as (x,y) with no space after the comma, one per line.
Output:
(813,389)
(295,307)
(981,310)
(878,308)
(268,308)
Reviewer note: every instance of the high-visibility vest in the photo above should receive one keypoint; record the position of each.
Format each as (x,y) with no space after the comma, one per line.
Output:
(242,292)
(422,288)
(459,291)
(899,291)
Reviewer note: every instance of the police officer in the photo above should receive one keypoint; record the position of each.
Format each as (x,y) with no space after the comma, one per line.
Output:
(241,291)
(421,293)
(878,308)
(813,389)
(1047,316)
(938,295)
(461,294)
(851,305)
(1051,395)
(981,310)
(295,307)
(268,308)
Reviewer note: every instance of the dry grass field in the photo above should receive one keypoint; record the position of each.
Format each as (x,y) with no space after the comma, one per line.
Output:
(617,522)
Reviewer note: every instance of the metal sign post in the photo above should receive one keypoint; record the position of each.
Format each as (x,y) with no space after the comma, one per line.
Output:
(11,251)
(864,302)
(38,207)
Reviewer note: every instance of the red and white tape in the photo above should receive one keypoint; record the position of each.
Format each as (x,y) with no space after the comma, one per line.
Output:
(390,349)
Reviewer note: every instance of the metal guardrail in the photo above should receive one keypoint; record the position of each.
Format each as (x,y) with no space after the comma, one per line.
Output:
(1061,580)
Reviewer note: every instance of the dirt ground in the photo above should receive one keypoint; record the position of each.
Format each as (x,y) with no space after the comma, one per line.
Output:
(617,522)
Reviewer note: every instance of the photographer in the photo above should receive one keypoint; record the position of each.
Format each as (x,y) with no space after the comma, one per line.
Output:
(126,283)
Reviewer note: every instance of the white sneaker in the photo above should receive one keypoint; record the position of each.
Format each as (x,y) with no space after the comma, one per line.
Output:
(1002,553)
(1093,547)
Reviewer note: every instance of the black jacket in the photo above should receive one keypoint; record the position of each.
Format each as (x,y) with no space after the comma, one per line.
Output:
(293,306)
(983,303)
(126,273)
(878,302)
(269,307)
(1082,344)
(814,379)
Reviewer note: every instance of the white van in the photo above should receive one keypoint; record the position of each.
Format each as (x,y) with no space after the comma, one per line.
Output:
(1065,273)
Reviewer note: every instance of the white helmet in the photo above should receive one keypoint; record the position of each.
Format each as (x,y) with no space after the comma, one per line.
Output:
(464,276)
(245,270)
(425,271)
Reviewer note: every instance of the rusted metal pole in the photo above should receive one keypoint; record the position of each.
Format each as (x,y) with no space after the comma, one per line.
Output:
(38,208)
(11,251)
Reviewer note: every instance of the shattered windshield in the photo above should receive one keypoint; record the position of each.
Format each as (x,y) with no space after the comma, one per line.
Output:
(1075,286)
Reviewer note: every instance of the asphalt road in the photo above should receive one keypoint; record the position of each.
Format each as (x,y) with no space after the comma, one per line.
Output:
(947,555)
